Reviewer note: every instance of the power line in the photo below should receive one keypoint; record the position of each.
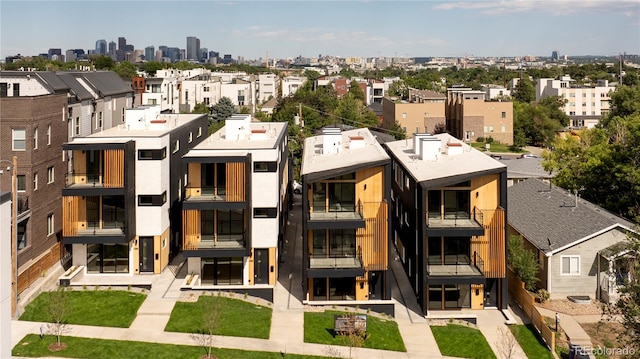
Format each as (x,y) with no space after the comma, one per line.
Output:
(380,129)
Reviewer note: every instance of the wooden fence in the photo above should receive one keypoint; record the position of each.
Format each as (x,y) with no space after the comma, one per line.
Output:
(35,271)
(526,302)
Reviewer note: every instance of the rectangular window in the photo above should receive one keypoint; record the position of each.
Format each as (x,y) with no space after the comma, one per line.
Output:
(35,138)
(22,235)
(50,174)
(99,122)
(157,154)
(19,136)
(265,212)
(16,90)
(152,200)
(504,128)
(504,114)
(199,131)
(35,181)
(570,265)
(77,126)
(3,89)
(265,167)
(176,146)
(190,137)
(48,135)
(50,224)
(22,183)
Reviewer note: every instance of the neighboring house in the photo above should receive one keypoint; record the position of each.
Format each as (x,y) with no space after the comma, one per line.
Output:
(496,92)
(522,168)
(268,106)
(121,200)
(161,91)
(199,89)
(345,209)
(241,92)
(470,116)
(376,91)
(291,84)
(421,113)
(585,104)
(448,222)
(40,111)
(575,241)
(268,85)
(235,206)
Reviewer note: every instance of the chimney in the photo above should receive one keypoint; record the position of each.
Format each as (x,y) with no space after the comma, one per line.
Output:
(331,140)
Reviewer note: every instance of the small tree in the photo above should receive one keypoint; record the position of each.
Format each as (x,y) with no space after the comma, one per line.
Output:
(506,343)
(523,262)
(355,335)
(211,307)
(59,309)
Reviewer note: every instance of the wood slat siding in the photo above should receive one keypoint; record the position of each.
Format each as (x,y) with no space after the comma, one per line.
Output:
(236,182)
(491,246)
(190,229)
(46,261)
(527,303)
(70,216)
(114,168)
(371,241)
(195,180)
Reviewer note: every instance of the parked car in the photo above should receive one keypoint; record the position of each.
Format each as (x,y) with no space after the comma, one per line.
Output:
(528,155)
(297,187)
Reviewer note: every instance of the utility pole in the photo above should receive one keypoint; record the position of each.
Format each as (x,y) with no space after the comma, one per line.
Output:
(14,234)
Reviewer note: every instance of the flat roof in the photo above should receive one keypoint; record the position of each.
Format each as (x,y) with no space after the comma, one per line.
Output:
(157,128)
(470,161)
(313,161)
(269,139)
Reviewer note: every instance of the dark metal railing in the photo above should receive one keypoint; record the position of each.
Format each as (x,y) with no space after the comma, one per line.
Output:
(78,178)
(454,218)
(335,211)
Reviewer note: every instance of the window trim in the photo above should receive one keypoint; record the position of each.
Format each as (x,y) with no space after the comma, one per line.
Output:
(51,174)
(267,212)
(14,139)
(569,273)
(155,154)
(24,183)
(50,224)
(154,200)
(271,166)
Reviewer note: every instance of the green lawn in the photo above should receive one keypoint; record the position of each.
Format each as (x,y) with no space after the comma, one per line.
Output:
(33,346)
(381,334)
(495,147)
(105,308)
(530,341)
(238,318)
(461,341)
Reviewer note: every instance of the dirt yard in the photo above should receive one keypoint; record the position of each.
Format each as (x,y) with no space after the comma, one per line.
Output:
(604,335)
(568,307)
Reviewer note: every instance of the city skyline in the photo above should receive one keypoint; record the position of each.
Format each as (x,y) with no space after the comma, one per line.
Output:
(308,28)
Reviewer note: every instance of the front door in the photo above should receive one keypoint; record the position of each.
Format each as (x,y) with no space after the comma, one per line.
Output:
(491,293)
(146,254)
(261,266)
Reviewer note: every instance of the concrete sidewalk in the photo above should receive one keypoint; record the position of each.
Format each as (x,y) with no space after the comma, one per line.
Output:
(571,327)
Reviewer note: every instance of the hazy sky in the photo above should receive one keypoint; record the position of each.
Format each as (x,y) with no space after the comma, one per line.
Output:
(344,28)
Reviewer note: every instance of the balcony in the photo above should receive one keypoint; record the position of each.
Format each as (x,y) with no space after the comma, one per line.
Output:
(206,194)
(77,183)
(216,245)
(323,266)
(458,221)
(455,265)
(94,232)
(336,215)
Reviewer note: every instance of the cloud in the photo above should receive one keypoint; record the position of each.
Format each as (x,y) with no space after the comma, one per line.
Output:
(555,7)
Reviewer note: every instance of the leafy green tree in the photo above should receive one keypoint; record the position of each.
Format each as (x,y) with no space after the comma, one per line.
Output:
(126,70)
(102,62)
(524,91)
(356,91)
(629,302)
(151,67)
(522,262)
(399,88)
(220,112)
(201,107)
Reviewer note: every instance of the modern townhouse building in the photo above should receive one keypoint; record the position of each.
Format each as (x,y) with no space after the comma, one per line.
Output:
(235,206)
(585,104)
(35,113)
(470,116)
(121,196)
(449,213)
(241,91)
(199,89)
(345,190)
(423,112)
(161,91)
(268,87)
(291,84)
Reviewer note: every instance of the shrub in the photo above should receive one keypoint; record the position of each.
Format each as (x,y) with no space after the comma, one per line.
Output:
(543,294)
(480,139)
(489,140)
(523,262)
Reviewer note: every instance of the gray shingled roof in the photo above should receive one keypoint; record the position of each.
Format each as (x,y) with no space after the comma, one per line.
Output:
(543,214)
(525,168)
(76,88)
(107,83)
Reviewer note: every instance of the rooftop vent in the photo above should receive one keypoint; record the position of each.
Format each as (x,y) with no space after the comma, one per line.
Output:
(416,141)
(454,148)
(331,140)
(430,148)
(356,142)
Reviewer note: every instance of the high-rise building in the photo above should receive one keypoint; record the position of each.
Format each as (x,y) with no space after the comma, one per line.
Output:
(53,52)
(112,50)
(122,43)
(193,48)
(101,47)
(554,55)
(149,53)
